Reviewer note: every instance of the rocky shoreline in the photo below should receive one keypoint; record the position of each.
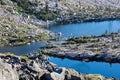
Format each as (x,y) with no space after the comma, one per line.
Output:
(88,48)
(36,67)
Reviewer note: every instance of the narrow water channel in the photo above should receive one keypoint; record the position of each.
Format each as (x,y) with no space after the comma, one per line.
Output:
(69,30)
(24,49)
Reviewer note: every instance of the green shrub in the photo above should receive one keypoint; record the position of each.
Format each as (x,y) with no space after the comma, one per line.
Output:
(24,58)
(26,5)
(46,14)
(6,2)
(42,36)
(3,2)
(79,40)
(10,54)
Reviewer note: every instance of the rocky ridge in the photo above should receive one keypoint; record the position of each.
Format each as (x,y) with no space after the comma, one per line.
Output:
(69,11)
(88,48)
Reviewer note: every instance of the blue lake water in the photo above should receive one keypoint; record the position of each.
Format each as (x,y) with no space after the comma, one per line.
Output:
(103,68)
(88,28)
(82,29)
(24,49)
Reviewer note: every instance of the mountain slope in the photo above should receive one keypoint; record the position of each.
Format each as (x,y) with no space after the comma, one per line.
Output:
(21,20)
(18,28)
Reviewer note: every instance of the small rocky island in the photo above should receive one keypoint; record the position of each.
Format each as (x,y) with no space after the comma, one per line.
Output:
(88,48)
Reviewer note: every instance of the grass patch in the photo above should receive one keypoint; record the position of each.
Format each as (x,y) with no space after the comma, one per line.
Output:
(10,54)
(24,58)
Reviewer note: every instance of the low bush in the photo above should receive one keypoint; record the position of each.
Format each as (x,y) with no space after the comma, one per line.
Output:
(24,58)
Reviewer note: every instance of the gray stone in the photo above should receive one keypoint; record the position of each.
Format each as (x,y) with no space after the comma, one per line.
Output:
(71,74)
(55,75)
(7,72)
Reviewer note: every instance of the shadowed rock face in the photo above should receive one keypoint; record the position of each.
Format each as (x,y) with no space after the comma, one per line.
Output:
(7,72)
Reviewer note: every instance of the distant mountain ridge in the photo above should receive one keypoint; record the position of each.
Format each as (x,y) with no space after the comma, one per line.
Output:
(53,9)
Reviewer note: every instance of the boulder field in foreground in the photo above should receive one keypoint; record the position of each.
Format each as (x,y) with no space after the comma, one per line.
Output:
(36,67)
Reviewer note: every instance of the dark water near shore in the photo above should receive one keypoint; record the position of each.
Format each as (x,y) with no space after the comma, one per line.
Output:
(105,69)
(82,29)
(21,50)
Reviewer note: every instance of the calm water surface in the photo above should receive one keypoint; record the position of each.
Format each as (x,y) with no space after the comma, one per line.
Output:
(106,69)
(89,28)
(21,50)
(82,29)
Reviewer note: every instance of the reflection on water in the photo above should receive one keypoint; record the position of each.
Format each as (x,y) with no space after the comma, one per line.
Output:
(106,69)
(89,28)
(21,50)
